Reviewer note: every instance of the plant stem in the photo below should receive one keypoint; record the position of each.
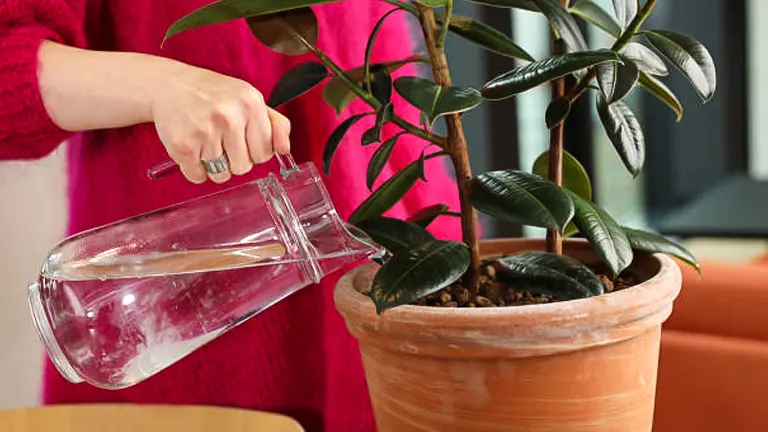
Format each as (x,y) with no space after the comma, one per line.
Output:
(446,24)
(555,169)
(620,43)
(457,147)
(404,124)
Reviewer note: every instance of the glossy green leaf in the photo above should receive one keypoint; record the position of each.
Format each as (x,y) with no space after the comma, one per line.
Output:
(645,59)
(575,177)
(338,96)
(379,160)
(529,5)
(228,10)
(395,235)
(486,36)
(561,276)
(625,133)
(409,276)
(381,84)
(370,136)
(427,215)
(296,82)
(277,31)
(625,11)
(521,197)
(435,101)
(335,139)
(564,24)
(597,16)
(689,56)
(662,92)
(373,135)
(389,193)
(369,51)
(557,111)
(539,72)
(616,80)
(606,236)
(654,243)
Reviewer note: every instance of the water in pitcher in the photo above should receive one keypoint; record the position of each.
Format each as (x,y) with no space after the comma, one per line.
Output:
(132,315)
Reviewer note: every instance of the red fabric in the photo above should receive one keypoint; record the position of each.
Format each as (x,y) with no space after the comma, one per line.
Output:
(297,357)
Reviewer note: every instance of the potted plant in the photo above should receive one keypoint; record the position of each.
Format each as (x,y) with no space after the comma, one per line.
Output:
(507,334)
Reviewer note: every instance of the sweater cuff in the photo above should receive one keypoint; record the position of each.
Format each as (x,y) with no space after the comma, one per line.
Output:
(26,129)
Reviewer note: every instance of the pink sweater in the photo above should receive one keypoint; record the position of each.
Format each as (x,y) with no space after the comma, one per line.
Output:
(296,357)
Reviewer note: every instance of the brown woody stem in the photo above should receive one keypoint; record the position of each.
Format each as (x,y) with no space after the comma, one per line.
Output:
(555,174)
(456,147)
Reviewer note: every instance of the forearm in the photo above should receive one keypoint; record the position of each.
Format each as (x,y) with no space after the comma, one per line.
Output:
(87,90)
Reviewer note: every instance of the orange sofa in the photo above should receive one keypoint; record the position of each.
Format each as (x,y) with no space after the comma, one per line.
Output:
(713,366)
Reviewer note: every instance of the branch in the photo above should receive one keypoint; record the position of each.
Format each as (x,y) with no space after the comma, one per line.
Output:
(446,24)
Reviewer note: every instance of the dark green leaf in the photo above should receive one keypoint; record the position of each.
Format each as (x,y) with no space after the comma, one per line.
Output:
(557,111)
(616,80)
(390,192)
(381,84)
(689,56)
(395,235)
(486,36)
(625,11)
(539,72)
(411,275)
(645,59)
(435,101)
(296,82)
(575,177)
(379,160)
(521,197)
(564,25)
(561,276)
(664,94)
(335,139)
(595,15)
(655,243)
(606,236)
(427,215)
(625,133)
(384,98)
(228,10)
(277,31)
(338,96)
(517,4)
(369,137)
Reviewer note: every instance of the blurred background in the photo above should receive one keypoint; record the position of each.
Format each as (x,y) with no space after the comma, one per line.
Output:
(703,179)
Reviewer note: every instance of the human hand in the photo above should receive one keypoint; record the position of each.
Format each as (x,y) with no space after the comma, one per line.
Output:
(200,115)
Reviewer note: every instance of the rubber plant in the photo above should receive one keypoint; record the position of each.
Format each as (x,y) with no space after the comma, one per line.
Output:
(555,195)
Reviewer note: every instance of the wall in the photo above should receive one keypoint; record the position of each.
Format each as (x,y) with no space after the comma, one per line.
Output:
(32,218)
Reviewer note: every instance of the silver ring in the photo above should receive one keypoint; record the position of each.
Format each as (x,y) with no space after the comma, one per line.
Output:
(217,166)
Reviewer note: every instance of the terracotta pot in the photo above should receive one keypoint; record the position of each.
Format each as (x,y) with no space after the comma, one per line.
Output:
(582,365)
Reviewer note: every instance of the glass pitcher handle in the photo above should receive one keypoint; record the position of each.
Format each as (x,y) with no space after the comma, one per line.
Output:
(168,167)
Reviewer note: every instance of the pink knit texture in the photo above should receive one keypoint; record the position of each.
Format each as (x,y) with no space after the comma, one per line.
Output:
(297,357)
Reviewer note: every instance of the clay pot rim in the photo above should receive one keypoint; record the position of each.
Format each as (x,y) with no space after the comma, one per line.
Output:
(647,303)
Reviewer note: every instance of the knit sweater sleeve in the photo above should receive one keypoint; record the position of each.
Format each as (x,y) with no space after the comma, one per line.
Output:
(26,129)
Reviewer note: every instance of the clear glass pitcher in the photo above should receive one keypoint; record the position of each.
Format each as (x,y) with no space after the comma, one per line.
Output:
(117,304)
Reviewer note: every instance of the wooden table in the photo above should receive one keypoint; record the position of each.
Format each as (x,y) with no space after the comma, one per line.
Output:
(142,418)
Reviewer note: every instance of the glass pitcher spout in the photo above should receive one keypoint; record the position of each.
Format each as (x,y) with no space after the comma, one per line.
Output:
(119,303)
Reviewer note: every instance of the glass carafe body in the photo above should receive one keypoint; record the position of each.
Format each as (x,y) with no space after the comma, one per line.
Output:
(119,303)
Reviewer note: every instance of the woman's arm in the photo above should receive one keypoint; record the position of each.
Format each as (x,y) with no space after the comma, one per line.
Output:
(198,114)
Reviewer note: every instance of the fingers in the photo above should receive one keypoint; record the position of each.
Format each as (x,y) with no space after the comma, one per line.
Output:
(187,155)
(236,149)
(259,135)
(281,131)
(212,151)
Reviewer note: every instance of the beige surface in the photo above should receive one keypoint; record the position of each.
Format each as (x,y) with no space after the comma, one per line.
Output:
(130,418)
(32,208)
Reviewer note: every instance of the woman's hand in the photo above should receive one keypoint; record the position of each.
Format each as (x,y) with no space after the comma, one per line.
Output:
(199,115)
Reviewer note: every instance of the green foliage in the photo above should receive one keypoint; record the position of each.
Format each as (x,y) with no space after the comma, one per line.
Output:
(421,264)
(563,277)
